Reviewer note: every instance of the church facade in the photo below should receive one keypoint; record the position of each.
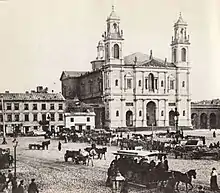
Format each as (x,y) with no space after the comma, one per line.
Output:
(138,90)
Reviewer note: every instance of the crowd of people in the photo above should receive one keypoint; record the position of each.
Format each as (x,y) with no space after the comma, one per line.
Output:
(10,182)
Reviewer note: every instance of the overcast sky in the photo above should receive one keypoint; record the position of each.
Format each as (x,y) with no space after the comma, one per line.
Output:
(41,38)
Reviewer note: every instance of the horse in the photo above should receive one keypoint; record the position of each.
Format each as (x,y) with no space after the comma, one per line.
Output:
(185,178)
(101,152)
(45,144)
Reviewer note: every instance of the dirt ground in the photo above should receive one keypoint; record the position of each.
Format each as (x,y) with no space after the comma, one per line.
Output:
(53,175)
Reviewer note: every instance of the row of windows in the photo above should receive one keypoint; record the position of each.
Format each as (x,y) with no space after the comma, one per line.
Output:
(34,106)
(72,119)
(129,84)
(9,117)
(140,113)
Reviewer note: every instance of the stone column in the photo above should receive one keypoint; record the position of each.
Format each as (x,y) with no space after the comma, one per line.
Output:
(157,113)
(144,113)
(166,113)
(208,121)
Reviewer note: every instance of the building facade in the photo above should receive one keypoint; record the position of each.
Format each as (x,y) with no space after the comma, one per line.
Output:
(79,116)
(25,112)
(206,114)
(138,90)
(80,121)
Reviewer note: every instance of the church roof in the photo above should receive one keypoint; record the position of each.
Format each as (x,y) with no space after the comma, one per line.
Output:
(35,96)
(71,74)
(207,102)
(146,60)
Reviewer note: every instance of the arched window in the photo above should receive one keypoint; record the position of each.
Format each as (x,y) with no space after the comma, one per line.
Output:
(117,113)
(183,84)
(174,56)
(140,113)
(116,82)
(161,83)
(139,83)
(162,113)
(116,51)
(183,54)
(151,82)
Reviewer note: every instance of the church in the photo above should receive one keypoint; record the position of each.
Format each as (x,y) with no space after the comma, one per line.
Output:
(138,90)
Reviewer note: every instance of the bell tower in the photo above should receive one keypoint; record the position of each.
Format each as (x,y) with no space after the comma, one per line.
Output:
(180,43)
(180,58)
(113,40)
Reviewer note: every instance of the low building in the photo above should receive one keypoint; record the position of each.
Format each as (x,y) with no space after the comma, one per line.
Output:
(80,121)
(79,116)
(35,110)
(206,114)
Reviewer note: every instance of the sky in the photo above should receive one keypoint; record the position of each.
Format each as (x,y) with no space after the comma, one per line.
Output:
(41,38)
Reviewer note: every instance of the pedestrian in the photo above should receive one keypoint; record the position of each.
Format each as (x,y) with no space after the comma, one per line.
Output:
(59,146)
(10,176)
(166,165)
(214,134)
(32,188)
(213,180)
(20,188)
(14,185)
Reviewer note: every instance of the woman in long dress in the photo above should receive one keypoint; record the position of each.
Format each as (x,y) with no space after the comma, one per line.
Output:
(213,180)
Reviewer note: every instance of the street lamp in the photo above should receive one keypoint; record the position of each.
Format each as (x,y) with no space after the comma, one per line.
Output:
(15,144)
(48,119)
(3,121)
(176,118)
(117,182)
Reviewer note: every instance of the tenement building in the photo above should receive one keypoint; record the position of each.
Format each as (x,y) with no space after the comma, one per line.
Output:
(32,111)
(137,90)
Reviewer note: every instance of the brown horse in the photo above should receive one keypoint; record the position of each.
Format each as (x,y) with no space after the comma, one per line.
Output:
(184,178)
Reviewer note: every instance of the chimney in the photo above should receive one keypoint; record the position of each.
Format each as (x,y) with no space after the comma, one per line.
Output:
(6,91)
(46,89)
(39,89)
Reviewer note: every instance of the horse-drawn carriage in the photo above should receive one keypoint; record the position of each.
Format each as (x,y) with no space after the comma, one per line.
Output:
(185,148)
(205,152)
(44,145)
(146,168)
(75,156)
(139,166)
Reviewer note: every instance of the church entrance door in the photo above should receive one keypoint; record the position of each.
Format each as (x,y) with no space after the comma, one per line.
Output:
(151,113)
(129,118)
(171,118)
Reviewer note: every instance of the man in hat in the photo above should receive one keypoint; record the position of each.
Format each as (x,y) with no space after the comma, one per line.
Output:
(32,188)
